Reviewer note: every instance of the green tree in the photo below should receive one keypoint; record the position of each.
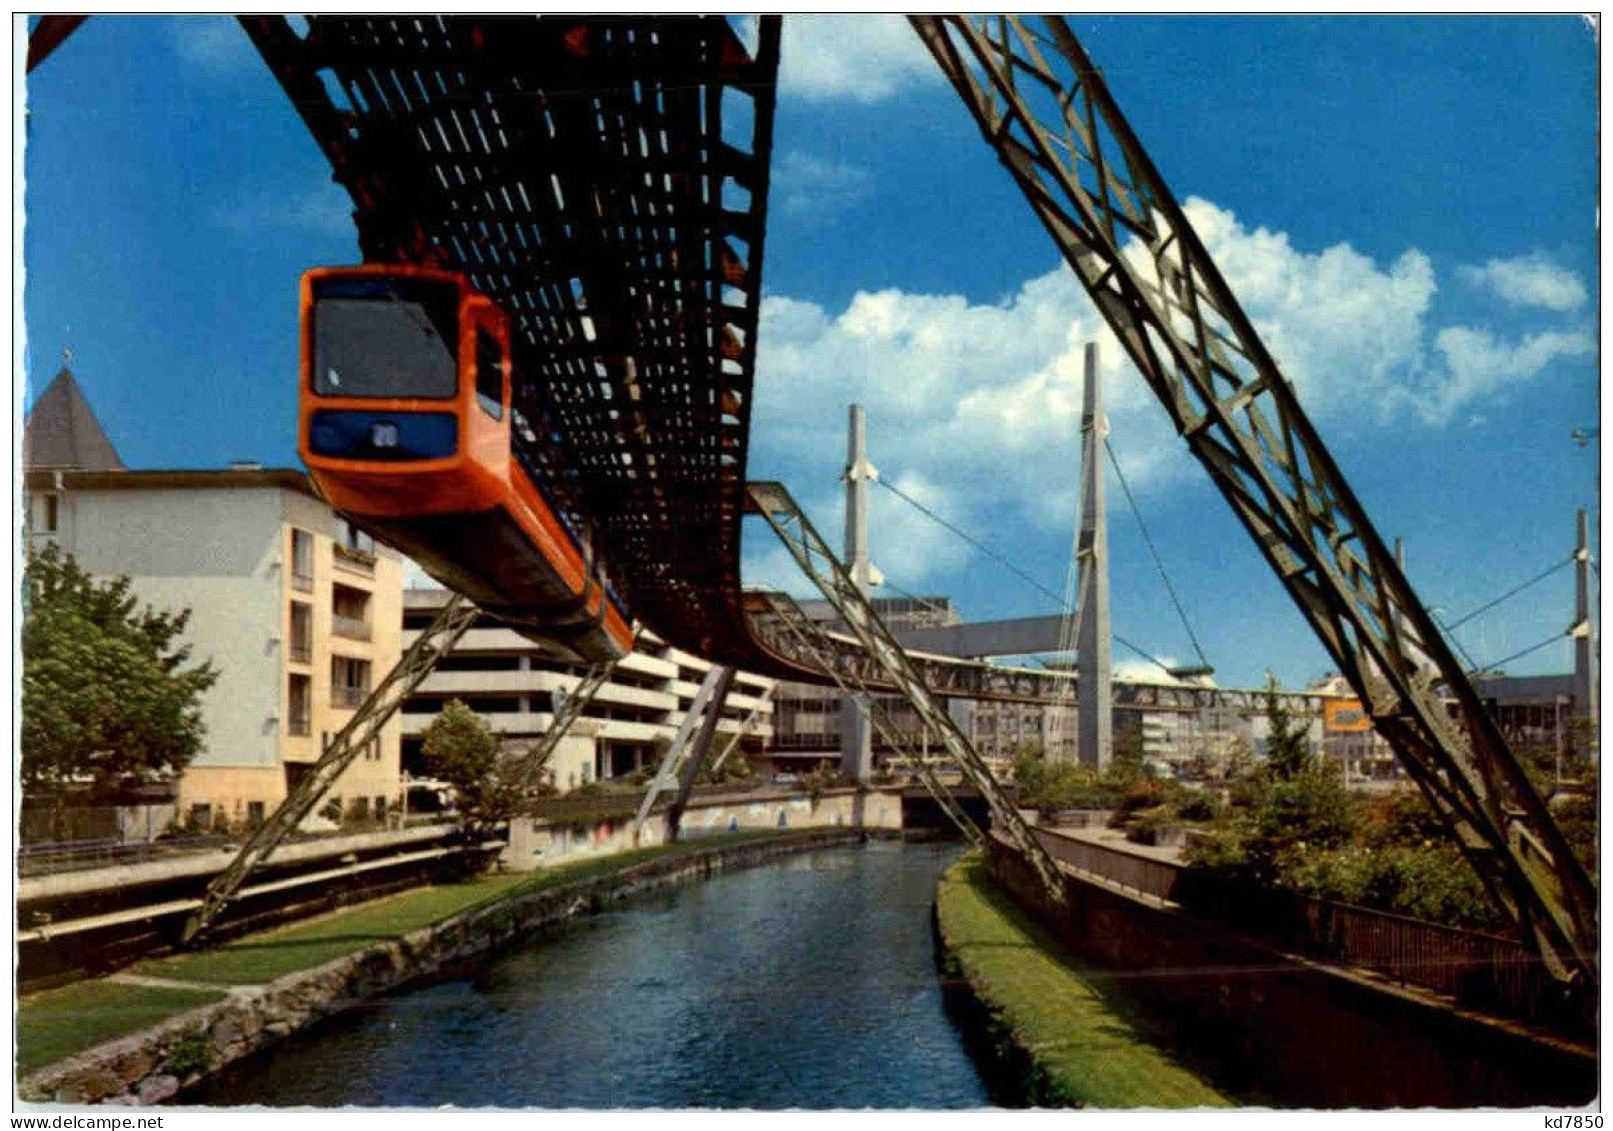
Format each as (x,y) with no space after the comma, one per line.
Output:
(108,690)
(1288,748)
(1126,756)
(461,749)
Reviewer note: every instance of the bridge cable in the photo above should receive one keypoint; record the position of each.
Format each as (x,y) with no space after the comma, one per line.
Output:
(1153,552)
(1450,638)
(1552,639)
(1510,593)
(995,556)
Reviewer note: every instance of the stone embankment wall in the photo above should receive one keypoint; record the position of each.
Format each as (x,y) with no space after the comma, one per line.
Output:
(541,843)
(1299,1032)
(156,1064)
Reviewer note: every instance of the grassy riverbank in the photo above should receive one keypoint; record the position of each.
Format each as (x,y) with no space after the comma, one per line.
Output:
(1084,1047)
(55,1024)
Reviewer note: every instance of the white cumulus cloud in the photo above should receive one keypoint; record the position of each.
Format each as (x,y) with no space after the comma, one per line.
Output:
(1476,363)
(803,182)
(1530,280)
(904,545)
(1355,337)
(860,58)
(982,400)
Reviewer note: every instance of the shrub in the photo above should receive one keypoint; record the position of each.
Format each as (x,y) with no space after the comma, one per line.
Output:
(1148,793)
(1197,805)
(190,1055)
(1433,883)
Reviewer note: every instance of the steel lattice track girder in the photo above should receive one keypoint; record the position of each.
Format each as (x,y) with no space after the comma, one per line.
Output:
(633,388)
(605,180)
(824,570)
(1045,109)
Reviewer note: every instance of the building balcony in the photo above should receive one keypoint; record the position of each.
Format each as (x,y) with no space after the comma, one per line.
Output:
(301,653)
(353,561)
(347,697)
(300,727)
(302,582)
(353,628)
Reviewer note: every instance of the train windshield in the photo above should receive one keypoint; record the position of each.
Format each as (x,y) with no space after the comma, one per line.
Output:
(378,337)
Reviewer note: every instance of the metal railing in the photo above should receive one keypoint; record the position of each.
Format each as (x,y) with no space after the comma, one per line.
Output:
(341,696)
(54,857)
(1154,878)
(1478,969)
(354,628)
(300,726)
(354,561)
(301,653)
(303,582)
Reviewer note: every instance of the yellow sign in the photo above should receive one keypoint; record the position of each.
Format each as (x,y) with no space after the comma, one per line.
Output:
(1345,716)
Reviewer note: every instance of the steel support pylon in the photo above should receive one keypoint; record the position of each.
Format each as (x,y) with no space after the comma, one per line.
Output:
(566,712)
(1045,109)
(808,636)
(371,715)
(1583,632)
(856,747)
(745,725)
(691,741)
(820,565)
(1095,713)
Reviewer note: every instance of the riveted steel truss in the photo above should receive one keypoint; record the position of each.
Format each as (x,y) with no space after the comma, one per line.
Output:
(810,641)
(363,728)
(605,180)
(567,712)
(842,657)
(819,563)
(690,743)
(745,725)
(1045,109)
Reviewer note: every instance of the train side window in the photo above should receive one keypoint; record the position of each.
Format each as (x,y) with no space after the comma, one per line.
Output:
(489,374)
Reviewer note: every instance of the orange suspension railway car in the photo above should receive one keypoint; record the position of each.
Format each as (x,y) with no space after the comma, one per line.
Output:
(404,422)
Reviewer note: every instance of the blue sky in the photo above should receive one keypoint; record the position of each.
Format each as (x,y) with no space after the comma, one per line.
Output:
(1406,207)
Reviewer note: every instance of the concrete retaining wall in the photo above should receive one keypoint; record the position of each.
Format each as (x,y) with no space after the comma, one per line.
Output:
(154,1065)
(540,844)
(1296,1032)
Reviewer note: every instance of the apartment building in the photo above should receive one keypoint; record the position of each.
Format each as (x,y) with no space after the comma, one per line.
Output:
(516,684)
(298,611)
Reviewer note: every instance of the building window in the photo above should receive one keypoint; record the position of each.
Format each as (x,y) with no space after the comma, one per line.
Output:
(489,374)
(354,549)
(350,612)
(302,632)
(302,560)
(49,513)
(254,813)
(201,815)
(300,696)
(349,681)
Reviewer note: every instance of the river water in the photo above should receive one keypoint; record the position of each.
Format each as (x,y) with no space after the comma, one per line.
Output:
(810,982)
